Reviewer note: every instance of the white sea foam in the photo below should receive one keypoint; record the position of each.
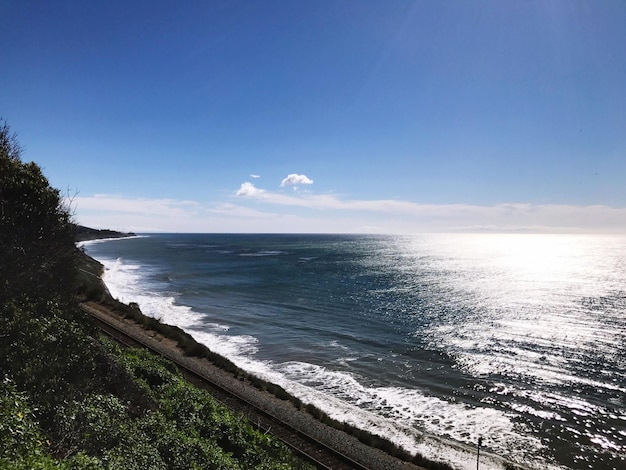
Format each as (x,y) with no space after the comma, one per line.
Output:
(407,417)
(410,417)
(127,283)
(105,240)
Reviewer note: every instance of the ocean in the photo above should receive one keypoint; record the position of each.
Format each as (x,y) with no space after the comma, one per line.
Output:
(432,341)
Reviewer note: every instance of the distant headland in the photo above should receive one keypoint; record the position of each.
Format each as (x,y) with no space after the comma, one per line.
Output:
(85,234)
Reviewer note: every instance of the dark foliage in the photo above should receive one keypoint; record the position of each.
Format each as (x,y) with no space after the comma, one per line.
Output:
(36,234)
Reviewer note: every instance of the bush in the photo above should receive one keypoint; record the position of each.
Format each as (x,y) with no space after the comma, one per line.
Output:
(45,353)
(19,432)
(192,430)
(98,422)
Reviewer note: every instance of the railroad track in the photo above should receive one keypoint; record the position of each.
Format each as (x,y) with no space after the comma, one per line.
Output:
(304,445)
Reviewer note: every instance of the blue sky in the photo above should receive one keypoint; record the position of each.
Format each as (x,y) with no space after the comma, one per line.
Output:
(392,116)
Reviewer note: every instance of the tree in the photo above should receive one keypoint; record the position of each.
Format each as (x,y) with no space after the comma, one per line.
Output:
(37,251)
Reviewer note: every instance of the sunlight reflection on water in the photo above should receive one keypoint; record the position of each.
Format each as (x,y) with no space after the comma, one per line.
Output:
(547,318)
(515,338)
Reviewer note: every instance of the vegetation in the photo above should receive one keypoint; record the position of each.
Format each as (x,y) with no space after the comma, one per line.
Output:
(70,399)
(36,233)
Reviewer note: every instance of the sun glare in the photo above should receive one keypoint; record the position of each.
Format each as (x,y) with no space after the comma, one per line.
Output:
(538,256)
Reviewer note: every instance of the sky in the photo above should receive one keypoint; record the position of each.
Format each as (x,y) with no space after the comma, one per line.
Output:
(350,116)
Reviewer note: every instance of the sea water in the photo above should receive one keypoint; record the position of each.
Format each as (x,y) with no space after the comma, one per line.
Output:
(432,341)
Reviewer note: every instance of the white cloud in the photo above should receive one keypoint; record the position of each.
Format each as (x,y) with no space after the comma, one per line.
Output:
(143,206)
(255,176)
(265,211)
(399,215)
(249,190)
(136,214)
(295,179)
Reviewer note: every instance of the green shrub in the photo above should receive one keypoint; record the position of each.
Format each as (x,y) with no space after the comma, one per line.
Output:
(46,354)
(19,432)
(135,454)
(96,423)
(191,428)
(181,449)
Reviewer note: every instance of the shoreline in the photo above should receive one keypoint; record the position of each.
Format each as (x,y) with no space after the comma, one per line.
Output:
(187,346)
(173,342)
(282,407)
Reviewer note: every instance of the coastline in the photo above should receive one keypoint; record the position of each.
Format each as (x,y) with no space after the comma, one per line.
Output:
(383,447)
(172,342)
(284,409)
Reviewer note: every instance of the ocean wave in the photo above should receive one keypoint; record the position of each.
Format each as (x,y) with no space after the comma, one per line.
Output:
(529,365)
